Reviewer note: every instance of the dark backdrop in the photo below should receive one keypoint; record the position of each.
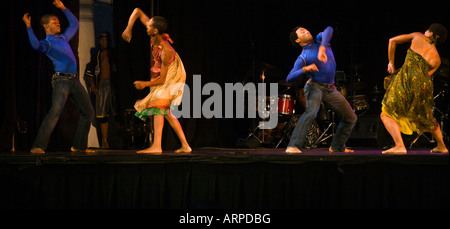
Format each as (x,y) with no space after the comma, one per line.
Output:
(224,41)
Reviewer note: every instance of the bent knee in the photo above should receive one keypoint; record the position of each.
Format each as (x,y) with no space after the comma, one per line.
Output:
(353,118)
(88,113)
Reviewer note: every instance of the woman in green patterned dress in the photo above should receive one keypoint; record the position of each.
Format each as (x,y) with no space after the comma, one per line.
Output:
(407,106)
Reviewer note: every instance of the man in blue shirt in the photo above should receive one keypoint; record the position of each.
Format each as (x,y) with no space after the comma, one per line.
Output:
(317,62)
(65,81)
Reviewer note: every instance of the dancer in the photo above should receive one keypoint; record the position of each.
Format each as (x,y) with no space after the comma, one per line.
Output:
(407,106)
(65,81)
(100,75)
(317,62)
(166,84)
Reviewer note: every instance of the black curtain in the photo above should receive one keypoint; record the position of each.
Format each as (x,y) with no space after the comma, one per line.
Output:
(224,41)
(227,182)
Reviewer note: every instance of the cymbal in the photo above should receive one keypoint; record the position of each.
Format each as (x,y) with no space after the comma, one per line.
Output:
(272,73)
(284,83)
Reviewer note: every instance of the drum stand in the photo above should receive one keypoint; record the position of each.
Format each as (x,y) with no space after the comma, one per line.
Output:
(254,134)
(281,140)
(311,139)
(287,129)
(325,134)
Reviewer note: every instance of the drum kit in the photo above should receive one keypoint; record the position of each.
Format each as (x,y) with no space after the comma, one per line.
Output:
(291,104)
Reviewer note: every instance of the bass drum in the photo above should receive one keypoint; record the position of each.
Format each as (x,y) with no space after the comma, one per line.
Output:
(312,135)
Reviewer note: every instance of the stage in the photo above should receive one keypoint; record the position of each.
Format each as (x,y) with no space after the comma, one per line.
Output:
(225,179)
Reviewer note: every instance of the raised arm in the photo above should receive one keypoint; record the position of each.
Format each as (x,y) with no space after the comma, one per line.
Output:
(137,13)
(73,21)
(327,34)
(392,47)
(73,24)
(35,44)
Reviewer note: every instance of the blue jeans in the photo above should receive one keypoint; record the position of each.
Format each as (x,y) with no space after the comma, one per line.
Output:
(64,88)
(315,94)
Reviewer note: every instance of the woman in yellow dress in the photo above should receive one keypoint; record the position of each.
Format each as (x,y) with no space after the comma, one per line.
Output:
(167,81)
(407,106)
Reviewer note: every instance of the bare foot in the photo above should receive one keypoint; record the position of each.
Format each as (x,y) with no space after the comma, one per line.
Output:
(292,150)
(395,150)
(82,151)
(346,150)
(105,145)
(89,151)
(439,150)
(37,151)
(151,150)
(184,150)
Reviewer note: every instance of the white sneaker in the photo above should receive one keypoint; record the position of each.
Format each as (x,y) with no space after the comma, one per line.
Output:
(293,150)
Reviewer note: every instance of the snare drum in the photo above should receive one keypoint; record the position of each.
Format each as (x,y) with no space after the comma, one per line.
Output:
(285,104)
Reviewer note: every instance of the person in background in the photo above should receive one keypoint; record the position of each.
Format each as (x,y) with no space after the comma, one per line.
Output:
(100,75)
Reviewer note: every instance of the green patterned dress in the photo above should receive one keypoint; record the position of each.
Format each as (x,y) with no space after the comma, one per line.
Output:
(409,97)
